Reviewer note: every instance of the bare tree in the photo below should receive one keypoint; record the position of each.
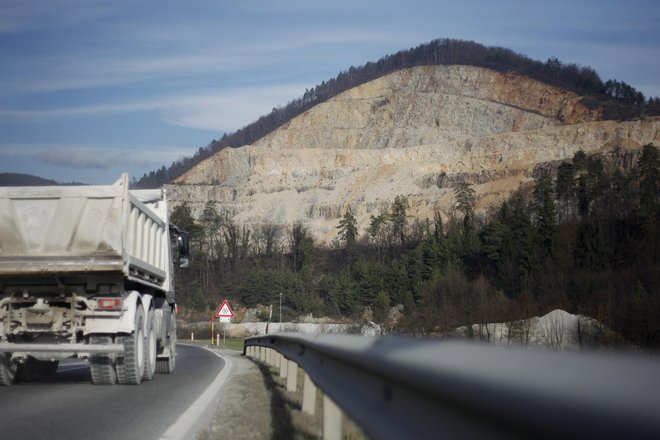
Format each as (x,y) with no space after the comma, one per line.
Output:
(553,330)
(267,239)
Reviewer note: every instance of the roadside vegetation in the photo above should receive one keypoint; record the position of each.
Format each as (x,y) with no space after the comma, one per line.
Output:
(585,237)
(227,343)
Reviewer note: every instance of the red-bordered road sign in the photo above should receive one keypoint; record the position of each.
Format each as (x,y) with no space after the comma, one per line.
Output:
(224,311)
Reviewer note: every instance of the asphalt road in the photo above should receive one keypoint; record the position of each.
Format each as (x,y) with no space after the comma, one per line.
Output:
(68,406)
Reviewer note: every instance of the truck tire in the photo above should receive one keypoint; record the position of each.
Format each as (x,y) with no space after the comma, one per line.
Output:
(101,365)
(150,349)
(166,365)
(130,364)
(8,370)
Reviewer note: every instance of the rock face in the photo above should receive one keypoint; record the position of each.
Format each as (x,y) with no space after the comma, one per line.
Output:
(413,133)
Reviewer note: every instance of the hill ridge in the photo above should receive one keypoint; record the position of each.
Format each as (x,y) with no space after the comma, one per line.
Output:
(618,99)
(349,153)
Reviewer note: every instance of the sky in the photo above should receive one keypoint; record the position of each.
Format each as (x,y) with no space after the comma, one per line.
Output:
(90,89)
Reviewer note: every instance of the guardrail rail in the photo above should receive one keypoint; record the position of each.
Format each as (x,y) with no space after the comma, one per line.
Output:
(404,388)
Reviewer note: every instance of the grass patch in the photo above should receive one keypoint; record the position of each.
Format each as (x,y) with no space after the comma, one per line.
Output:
(228,343)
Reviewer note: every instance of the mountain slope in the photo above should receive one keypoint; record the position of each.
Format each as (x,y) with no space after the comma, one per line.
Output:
(414,133)
(19,179)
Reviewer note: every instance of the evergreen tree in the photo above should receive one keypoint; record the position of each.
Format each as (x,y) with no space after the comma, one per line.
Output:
(348,230)
(181,216)
(377,230)
(211,222)
(649,200)
(546,216)
(343,294)
(591,248)
(465,203)
(301,246)
(398,219)
(565,190)
(649,181)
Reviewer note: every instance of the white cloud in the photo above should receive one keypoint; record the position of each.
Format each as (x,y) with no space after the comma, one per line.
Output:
(217,110)
(229,110)
(95,157)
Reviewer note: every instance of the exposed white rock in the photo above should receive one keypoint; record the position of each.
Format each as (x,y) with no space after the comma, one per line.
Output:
(411,133)
(557,330)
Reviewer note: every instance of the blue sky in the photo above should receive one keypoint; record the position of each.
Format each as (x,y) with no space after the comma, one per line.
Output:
(92,88)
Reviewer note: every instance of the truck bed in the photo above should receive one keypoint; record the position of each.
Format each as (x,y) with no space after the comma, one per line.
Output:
(80,229)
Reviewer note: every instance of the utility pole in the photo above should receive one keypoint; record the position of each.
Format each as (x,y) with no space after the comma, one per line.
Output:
(280,311)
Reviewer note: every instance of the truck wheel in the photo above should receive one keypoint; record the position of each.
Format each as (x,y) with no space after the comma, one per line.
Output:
(166,365)
(150,349)
(130,364)
(101,365)
(8,370)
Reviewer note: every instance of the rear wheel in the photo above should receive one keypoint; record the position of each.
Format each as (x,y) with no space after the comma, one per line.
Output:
(8,370)
(150,349)
(102,365)
(130,364)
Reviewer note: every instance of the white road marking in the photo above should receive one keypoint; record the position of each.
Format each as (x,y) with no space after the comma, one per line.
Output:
(189,420)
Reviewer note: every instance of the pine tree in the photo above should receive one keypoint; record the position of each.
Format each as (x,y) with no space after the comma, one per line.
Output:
(398,219)
(348,229)
(547,227)
(465,204)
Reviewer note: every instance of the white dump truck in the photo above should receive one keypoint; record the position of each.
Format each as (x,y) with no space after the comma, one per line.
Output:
(86,271)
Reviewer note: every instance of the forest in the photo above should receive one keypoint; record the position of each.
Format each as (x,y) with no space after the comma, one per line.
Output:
(618,99)
(584,236)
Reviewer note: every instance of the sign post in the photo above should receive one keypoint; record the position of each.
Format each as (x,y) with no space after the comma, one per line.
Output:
(225,314)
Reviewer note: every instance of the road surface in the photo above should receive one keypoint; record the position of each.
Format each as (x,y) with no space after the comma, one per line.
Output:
(68,406)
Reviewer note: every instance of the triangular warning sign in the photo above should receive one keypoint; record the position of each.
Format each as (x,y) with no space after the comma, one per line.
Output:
(224,311)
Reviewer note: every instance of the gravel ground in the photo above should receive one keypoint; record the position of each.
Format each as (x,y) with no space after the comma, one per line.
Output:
(255,405)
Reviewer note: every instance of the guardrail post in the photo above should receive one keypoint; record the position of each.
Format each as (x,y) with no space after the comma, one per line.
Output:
(309,395)
(284,363)
(292,377)
(331,420)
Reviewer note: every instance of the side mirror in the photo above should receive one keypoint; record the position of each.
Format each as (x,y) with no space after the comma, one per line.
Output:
(183,245)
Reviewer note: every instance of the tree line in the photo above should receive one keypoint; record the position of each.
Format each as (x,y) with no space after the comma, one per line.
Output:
(619,100)
(585,237)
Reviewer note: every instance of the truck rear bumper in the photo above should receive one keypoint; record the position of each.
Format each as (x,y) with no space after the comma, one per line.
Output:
(8,347)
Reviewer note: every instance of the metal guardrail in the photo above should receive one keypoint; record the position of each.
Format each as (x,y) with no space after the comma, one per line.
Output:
(405,388)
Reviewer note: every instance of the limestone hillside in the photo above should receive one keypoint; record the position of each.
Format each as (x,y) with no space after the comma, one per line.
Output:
(413,133)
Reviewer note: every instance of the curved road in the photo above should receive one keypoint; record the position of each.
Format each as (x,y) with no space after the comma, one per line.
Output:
(68,406)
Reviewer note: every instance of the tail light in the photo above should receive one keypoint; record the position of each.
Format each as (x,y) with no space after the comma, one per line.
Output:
(109,303)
